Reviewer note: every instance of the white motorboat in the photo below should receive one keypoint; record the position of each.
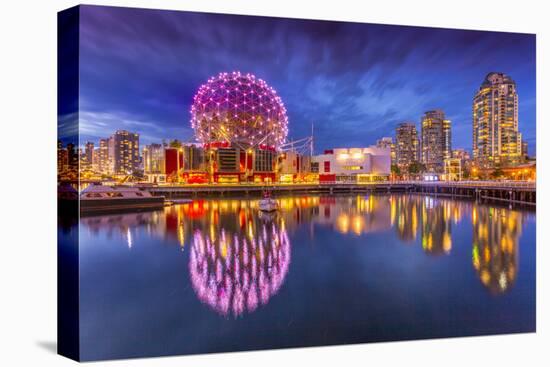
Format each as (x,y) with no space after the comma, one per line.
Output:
(267,203)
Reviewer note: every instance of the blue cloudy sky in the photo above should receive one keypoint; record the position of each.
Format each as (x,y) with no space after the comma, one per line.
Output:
(139,70)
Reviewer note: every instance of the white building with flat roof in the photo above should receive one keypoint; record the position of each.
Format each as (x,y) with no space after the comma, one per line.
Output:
(354,164)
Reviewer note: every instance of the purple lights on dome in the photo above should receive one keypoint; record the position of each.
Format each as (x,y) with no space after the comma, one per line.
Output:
(240,108)
(234,275)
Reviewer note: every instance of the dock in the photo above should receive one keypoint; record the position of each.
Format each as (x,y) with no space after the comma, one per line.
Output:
(510,192)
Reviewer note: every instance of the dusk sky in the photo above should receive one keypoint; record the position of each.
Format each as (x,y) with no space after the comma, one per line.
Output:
(140,69)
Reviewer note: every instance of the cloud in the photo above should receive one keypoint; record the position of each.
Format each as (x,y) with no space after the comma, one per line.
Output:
(98,125)
(67,127)
(140,69)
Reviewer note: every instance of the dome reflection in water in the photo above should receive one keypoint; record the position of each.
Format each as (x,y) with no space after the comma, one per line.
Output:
(236,272)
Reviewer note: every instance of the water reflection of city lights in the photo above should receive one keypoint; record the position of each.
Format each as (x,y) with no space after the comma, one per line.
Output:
(235,274)
(129,238)
(495,246)
(223,224)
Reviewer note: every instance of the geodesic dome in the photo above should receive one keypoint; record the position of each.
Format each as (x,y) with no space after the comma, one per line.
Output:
(241,109)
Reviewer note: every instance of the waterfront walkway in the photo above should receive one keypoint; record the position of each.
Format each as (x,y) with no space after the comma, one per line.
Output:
(512,192)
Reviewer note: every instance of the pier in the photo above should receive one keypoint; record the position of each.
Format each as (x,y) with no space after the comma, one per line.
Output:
(506,192)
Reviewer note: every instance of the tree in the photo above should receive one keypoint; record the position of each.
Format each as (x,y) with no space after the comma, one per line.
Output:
(416,168)
(466,173)
(395,170)
(497,173)
(175,143)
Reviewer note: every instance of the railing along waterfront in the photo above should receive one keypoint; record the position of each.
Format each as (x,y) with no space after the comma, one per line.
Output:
(478,184)
(512,192)
(464,184)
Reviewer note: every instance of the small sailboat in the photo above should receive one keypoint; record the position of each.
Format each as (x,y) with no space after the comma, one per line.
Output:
(267,203)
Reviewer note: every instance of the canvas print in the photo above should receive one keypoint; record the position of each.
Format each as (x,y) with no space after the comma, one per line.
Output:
(231,183)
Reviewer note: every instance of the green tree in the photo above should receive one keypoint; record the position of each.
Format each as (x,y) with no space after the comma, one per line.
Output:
(175,143)
(395,170)
(466,174)
(497,173)
(416,168)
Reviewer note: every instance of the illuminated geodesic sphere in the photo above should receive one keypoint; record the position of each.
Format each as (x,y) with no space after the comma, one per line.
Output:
(239,108)
(234,274)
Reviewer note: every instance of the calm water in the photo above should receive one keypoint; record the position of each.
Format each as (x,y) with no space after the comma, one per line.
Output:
(214,275)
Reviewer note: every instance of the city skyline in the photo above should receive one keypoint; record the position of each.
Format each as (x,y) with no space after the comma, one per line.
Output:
(368,93)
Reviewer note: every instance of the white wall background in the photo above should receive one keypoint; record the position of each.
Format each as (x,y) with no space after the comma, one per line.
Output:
(28,174)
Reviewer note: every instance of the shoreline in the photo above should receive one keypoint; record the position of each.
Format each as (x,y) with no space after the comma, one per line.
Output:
(513,194)
(527,208)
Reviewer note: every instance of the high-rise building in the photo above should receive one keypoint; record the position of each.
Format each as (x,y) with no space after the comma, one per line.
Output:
(461,154)
(89,151)
(111,154)
(88,156)
(407,145)
(124,150)
(103,159)
(62,157)
(387,142)
(496,138)
(72,157)
(524,150)
(436,140)
(95,160)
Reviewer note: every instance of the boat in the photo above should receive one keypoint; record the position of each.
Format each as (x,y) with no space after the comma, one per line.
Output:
(267,203)
(98,198)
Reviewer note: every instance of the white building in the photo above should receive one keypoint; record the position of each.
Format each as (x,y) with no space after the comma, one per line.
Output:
(354,164)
